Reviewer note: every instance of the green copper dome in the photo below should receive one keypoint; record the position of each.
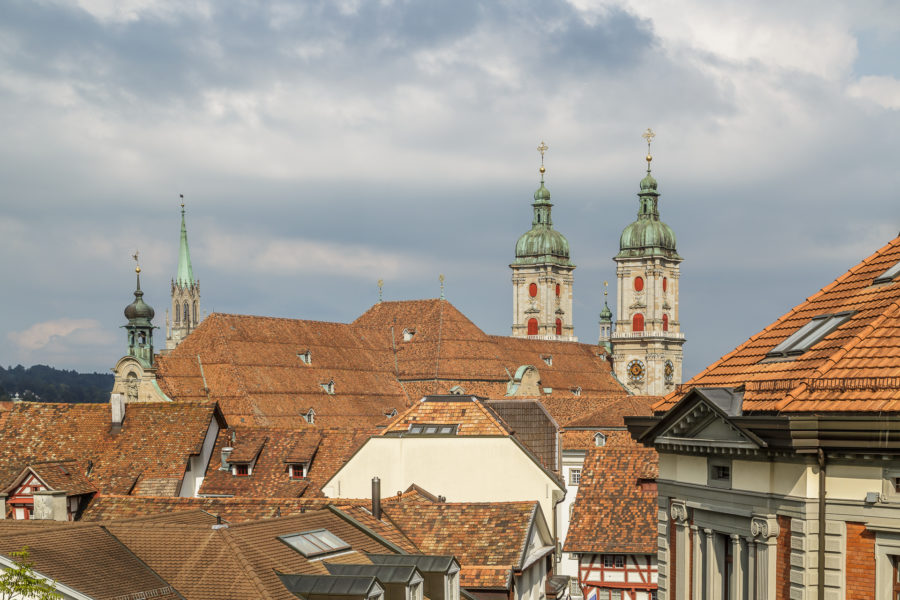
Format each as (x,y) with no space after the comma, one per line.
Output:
(648,235)
(606,313)
(542,244)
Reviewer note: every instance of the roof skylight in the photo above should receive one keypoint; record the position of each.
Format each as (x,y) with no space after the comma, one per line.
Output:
(432,429)
(315,543)
(809,335)
(889,275)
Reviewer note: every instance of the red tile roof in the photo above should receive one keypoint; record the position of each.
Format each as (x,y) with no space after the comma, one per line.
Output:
(150,453)
(856,368)
(614,511)
(470,414)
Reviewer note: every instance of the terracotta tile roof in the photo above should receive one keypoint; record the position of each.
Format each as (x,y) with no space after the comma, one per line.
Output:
(68,554)
(150,452)
(252,365)
(471,415)
(275,449)
(613,511)
(611,412)
(487,539)
(856,368)
(582,439)
(233,510)
(58,475)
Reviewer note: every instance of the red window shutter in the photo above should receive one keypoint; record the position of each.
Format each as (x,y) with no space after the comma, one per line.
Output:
(665,283)
(557,289)
(637,322)
(559,327)
(532,290)
(665,322)
(532,325)
(638,284)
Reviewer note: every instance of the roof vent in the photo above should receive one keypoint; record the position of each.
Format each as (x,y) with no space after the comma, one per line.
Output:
(457,390)
(226,453)
(328,387)
(305,357)
(599,439)
(576,391)
(408,334)
(547,358)
(310,417)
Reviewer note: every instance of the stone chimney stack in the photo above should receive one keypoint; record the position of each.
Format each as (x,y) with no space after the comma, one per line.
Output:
(117,409)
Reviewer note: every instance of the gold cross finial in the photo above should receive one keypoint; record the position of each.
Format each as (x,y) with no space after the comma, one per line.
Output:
(605,291)
(380,286)
(182,200)
(137,263)
(648,135)
(441,278)
(542,148)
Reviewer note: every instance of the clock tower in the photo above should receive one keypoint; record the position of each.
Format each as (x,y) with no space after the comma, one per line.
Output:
(647,341)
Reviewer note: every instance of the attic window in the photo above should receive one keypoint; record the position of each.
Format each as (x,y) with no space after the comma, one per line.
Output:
(599,439)
(432,429)
(391,413)
(241,470)
(328,387)
(889,275)
(576,391)
(547,358)
(315,543)
(305,356)
(408,334)
(809,335)
(457,390)
(310,417)
(299,471)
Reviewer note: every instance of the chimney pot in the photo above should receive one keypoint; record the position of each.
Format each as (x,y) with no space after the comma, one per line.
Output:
(226,453)
(376,498)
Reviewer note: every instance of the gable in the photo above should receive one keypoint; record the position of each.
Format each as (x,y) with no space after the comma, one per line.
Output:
(699,422)
(539,541)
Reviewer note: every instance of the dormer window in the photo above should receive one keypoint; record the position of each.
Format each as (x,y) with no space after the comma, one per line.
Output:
(457,390)
(299,471)
(599,439)
(310,417)
(889,275)
(328,387)
(548,359)
(809,335)
(391,413)
(241,470)
(305,357)
(576,391)
(408,334)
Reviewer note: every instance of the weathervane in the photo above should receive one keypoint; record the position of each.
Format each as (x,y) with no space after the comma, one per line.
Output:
(605,291)
(542,148)
(380,286)
(137,263)
(441,278)
(648,135)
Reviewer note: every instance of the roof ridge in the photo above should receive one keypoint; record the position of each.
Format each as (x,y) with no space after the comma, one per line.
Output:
(523,548)
(244,563)
(830,361)
(497,421)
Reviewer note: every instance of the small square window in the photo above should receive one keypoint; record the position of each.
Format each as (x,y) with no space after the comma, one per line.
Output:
(620,561)
(616,595)
(298,471)
(574,476)
(608,561)
(242,470)
(719,473)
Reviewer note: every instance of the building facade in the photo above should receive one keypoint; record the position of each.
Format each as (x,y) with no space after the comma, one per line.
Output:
(542,275)
(647,340)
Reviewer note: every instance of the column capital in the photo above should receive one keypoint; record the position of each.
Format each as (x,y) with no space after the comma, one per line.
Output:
(764,527)
(678,512)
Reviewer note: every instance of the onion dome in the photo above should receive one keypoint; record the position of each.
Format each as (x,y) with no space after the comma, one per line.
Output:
(542,244)
(606,313)
(648,235)
(139,312)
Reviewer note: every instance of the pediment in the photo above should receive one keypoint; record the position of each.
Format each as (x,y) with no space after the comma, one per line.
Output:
(702,423)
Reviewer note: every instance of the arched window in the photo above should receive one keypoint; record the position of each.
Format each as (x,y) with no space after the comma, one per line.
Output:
(559,327)
(532,327)
(637,322)
(532,290)
(665,322)
(638,284)
(187,313)
(557,290)
(142,338)
(177,313)
(196,310)
(665,283)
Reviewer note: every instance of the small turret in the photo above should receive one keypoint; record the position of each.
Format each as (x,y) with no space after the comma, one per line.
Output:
(606,321)
(140,326)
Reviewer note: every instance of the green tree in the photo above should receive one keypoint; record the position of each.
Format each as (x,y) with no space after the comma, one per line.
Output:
(22,582)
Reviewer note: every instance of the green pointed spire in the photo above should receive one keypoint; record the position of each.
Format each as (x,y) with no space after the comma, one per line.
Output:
(185,276)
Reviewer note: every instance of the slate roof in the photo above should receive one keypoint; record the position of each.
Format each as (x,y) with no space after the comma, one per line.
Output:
(65,553)
(488,539)
(856,368)
(149,455)
(251,365)
(274,450)
(614,512)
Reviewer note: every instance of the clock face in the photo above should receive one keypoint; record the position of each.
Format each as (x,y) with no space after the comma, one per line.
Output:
(669,371)
(636,370)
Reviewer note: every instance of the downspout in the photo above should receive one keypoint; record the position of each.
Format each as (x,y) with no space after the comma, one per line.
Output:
(821,553)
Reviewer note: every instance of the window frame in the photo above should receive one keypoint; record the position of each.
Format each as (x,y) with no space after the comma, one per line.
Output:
(717,481)
(575,476)
(811,333)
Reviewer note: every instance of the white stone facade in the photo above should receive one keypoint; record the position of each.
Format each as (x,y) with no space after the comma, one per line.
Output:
(543,292)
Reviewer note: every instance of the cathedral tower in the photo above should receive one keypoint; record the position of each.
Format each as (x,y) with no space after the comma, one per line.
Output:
(647,342)
(542,275)
(185,313)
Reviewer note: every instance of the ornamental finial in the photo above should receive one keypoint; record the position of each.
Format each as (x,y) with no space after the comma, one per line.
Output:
(182,201)
(441,278)
(648,135)
(542,148)
(380,288)
(137,263)
(605,290)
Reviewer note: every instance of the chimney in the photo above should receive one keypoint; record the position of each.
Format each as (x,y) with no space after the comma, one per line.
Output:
(376,498)
(226,452)
(51,505)
(117,408)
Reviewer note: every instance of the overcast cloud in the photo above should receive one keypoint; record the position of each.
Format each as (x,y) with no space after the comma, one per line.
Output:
(324,145)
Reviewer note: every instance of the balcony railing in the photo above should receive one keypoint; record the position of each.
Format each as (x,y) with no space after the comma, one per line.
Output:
(674,335)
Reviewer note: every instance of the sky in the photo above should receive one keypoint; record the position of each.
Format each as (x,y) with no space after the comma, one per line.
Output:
(321,146)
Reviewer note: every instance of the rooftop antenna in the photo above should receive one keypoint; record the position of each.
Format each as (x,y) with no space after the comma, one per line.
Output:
(380,289)
(648,135)
(441,279)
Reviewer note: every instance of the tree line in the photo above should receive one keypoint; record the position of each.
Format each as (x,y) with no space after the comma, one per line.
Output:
(41,383)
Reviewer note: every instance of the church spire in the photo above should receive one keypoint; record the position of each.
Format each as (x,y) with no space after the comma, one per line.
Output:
(185,276)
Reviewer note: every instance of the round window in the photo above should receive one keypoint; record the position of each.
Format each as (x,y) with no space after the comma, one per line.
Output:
(638,284)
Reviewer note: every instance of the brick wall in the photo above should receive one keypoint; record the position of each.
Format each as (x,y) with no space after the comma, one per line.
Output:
(783,559)
(860,571)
